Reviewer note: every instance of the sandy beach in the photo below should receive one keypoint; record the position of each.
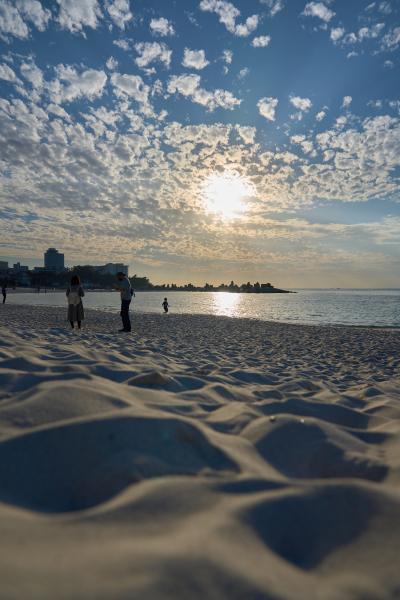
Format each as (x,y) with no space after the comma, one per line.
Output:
(197,457)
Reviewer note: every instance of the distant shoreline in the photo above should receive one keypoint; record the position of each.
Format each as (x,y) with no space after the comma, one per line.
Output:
(18,290)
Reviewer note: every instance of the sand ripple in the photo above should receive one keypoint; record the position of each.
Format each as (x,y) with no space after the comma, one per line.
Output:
(199,457)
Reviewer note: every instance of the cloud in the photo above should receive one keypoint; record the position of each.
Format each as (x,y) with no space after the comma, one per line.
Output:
(391,41)
(119,12)
(337,33)
(11,21)
(228,13)
(320,115)
(15,15)
(58,111)
(370,32)
(261,41)
(274,6)
(150,52)
(267,107)
(227,56)
(112,63)
(385,8)
(195,59)
(123,44)
(32,73)
(161,27)
(33,11)
(302,104)
(7,74)
(130,85)
(247,134)
(135,197)
(189,86)
(347,100)
(319,10)
(72,85)
(74,15)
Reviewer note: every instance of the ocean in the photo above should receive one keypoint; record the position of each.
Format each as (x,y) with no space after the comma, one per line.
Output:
(373,308)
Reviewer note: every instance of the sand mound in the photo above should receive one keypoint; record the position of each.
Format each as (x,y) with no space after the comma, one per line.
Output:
(78,465)
(311,449)
(307,527)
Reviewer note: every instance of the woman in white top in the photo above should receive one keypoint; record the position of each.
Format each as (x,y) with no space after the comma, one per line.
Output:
(75,294)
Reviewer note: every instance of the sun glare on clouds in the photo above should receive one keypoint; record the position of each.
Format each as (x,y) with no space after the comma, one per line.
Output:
(225,195)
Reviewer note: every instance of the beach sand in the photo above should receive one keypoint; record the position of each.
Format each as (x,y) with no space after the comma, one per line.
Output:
(198,457)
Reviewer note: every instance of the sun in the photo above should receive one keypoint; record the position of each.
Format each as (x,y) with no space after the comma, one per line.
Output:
(225,194)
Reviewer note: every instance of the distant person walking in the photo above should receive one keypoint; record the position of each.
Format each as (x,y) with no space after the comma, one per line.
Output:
(4,292)
(165,305)
(124,287)
(75,294)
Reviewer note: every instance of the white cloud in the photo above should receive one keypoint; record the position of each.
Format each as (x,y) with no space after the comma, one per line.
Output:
(243,73)
(123,44)
(32,73)
(112,63)
(161,27)
(227,56)
(347,100)
(58,111)
(302,104)
(247,134)
(320,115)
(391,40)
(195,59)
(319,10)
(11,21)
(267,107)
(130,85)
(184,84)
(71,85)
(74,15)
(14,15)
(274,6)
(261,41)
(228,13)
(337,33)
(33,11)
(119,12)
(370,32)
(7,74)
(306,145)
(152,52)
(189,86)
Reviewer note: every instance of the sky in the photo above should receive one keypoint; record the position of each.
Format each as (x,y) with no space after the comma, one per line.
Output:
(204,140)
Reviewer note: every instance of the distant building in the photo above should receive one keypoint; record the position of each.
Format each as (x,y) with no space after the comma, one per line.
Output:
(3,265)
(18,268)
(114,268)
(53,260)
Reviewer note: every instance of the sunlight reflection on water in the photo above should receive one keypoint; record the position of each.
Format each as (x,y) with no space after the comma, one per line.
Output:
(225,303)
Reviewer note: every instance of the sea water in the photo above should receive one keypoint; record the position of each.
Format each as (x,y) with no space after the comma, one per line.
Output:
(376,308)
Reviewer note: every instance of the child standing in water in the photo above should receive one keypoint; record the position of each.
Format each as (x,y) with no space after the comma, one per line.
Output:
(165,305)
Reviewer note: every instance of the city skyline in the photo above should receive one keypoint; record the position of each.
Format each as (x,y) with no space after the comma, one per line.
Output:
(204,140)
